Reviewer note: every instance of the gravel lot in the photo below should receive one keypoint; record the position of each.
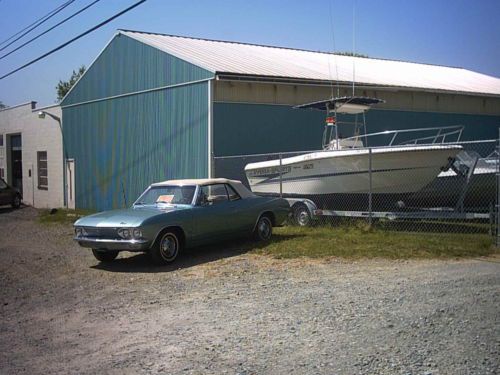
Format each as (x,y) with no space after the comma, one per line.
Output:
(220,311)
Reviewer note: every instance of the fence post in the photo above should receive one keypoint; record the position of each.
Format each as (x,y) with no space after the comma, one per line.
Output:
(370,187)
(281,176)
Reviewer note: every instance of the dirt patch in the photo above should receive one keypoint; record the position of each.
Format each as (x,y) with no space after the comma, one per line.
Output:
(220,310)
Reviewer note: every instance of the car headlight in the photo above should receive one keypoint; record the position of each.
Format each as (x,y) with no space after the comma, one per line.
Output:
(127,233)
(124,233)
(80,232)
(136,232)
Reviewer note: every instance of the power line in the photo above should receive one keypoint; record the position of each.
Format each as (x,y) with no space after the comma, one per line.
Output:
(74,39)
(36,24)
(38,20)
(50,29)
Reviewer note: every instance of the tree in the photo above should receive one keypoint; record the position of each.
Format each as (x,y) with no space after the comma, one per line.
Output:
(64,86)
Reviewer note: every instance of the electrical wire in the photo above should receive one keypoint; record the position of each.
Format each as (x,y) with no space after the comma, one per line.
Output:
(74,39)
(50,29)
(38,23)
(332,29)
(38,20)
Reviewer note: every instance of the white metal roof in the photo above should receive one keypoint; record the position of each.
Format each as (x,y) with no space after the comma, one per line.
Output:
(249,59)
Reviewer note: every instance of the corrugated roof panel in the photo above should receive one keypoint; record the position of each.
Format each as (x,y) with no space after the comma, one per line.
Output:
(248,59)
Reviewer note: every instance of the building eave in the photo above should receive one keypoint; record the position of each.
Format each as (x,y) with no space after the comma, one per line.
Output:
(228,76)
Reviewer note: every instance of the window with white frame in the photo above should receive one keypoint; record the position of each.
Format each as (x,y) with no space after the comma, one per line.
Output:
(43,177)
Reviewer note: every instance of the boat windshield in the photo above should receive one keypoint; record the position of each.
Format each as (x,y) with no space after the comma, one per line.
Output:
(166,195)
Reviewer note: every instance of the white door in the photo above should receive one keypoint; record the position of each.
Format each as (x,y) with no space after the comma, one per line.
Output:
(70,183)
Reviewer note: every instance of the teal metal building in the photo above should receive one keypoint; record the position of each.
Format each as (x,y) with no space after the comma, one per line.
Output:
(154,107)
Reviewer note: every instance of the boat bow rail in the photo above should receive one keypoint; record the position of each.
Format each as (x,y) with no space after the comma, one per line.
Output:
(444,135)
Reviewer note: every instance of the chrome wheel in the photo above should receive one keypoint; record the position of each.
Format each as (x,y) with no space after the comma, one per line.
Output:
(169,247)
(264,229)
(302,217)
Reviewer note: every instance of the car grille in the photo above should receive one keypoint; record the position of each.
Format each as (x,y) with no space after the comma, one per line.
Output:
(101,232)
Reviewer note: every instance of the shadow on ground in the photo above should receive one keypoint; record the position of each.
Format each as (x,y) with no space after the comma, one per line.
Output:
(435,227)
(189,257)
(7,209)
(417,226)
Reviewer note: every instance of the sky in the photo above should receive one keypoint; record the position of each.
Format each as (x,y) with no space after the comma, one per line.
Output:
(460,33)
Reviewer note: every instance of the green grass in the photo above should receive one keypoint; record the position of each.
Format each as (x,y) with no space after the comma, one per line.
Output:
(354,242)
(61,216)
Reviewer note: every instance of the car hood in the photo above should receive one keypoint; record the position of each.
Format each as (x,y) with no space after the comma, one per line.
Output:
(129,217)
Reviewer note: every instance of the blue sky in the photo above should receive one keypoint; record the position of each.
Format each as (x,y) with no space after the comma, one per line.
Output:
(463,33)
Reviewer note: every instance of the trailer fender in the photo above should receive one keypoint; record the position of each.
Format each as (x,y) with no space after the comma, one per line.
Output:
(303,211)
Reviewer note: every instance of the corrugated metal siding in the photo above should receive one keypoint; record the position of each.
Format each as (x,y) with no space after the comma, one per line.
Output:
(252,129)
(241,129)
(256,60)
(129,142)
(126,66)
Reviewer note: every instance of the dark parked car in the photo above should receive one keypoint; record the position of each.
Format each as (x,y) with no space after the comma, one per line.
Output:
(172,215)
(9,195)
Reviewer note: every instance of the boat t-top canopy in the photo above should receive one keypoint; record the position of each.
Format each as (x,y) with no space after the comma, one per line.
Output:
(345,104)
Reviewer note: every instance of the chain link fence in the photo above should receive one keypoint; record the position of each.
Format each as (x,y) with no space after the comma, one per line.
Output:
(428,187)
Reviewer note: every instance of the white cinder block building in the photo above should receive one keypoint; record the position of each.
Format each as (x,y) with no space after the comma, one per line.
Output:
(31,153)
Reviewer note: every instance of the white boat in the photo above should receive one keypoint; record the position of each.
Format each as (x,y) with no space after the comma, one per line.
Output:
(340,173)
(469,184)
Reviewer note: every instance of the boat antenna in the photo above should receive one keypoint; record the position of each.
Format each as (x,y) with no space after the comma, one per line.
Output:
(353,44)
(332,30)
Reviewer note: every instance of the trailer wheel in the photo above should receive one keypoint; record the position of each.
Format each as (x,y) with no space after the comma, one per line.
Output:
(301,215)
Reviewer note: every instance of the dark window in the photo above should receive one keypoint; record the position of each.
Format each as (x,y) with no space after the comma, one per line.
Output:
(16,142)
(212,194)
(233,196)
(1,140)
(43,177)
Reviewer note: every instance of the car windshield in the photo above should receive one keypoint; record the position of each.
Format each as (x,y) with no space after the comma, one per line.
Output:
(167,195)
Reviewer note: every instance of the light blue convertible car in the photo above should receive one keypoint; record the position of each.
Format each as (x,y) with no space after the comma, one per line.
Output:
(177,214)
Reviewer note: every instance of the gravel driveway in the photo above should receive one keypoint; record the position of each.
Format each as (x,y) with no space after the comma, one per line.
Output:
(221,311)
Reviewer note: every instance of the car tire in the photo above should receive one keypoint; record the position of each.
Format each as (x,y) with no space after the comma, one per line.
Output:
(263,229)
(16,202)
(166,248)
(105,256)
(301,216)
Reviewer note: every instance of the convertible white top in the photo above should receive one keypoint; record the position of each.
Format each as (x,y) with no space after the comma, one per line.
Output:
(236,185)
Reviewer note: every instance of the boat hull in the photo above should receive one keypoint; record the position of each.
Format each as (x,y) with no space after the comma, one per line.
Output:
(448,187)
(341,178)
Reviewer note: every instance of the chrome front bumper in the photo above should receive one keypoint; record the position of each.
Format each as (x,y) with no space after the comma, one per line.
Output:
(112,244)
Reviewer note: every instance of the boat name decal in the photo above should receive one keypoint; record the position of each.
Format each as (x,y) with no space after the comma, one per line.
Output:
(266,172)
